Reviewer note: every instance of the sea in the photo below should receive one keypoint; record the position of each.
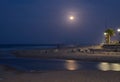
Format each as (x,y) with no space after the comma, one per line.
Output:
(38,64)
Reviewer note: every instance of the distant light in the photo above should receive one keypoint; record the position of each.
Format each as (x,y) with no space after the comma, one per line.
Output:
(71,17)
(118,29)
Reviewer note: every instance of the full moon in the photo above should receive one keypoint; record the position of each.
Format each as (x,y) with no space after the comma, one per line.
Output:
(71,17)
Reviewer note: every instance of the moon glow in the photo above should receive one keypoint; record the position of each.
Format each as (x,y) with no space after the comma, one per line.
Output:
(71,17)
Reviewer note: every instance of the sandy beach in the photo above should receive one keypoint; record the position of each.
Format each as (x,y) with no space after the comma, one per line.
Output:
(61,76)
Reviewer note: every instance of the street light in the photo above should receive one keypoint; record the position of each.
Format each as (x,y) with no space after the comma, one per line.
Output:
(118,30)
(105,35)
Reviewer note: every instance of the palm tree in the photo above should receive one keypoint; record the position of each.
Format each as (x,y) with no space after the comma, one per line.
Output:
(109,33)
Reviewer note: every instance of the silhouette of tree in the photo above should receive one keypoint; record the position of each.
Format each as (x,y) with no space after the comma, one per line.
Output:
(109,33)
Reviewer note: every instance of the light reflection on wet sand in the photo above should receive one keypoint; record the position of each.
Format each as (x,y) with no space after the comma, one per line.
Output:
(71,65)
(104,66)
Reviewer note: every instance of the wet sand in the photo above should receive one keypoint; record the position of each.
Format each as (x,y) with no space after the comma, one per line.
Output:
(61,76)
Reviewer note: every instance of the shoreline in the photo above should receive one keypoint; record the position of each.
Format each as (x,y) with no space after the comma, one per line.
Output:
(70,54)
(84,59)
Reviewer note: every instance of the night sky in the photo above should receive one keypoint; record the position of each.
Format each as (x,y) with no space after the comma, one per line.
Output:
(47,21)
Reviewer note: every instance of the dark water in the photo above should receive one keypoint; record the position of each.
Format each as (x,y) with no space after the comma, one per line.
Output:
(27,46)
(30,64)
(33,46)
(46,64)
